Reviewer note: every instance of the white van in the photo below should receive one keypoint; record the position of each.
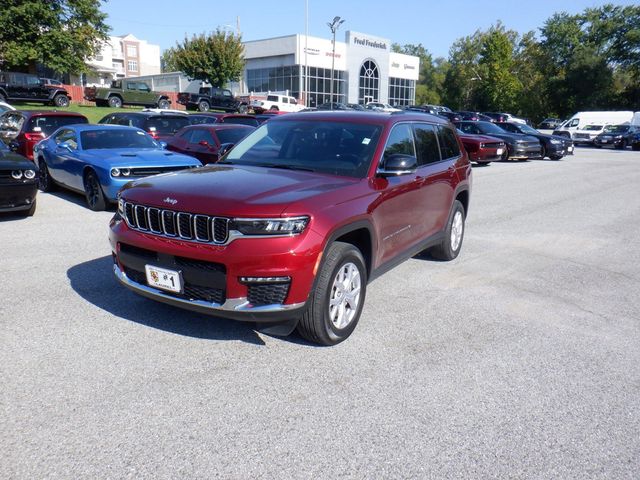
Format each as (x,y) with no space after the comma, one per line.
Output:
(581,119)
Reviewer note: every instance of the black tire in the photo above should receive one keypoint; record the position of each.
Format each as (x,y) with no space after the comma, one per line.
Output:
(274,109)
(31,211)
(101,103)
(243,109)
(115,102)
(555,157)
(320,324)
(203,106)
(93,192)
(543,152)
(163,104)
(623,144)
(2,98)
(505,155)
(61,100)
(45,182)
(451,245)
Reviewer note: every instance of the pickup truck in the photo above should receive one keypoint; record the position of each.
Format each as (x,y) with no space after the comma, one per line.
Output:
(276,103)
(126,92)
(209,98)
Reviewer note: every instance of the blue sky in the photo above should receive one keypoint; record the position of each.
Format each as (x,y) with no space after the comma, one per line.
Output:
(435,24)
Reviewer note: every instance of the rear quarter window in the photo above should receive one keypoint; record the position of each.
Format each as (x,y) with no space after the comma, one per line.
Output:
(49,124)
(166,125)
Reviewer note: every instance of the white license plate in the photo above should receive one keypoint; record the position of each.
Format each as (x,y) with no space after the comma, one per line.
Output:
(499,151)
(604,140)
(163,278)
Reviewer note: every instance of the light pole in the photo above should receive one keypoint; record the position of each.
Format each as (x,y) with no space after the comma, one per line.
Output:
(337,21)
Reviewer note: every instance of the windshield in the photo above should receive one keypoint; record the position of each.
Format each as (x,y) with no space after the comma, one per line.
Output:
(49,124)
(116,138)
(166,125)
(485,127)
(527,129)
(338,148)
(593,127)
(251,121)
(616,128)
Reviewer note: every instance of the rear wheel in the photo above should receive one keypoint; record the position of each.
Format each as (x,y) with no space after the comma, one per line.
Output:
(453,235)
(93,192)
(115,102)
(337,300)
(242,109)
(163,104)
(61,100)
(2,98)
(101,103)
(203,106)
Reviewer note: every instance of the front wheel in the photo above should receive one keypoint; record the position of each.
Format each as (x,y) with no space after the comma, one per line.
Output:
(453,235)
(45,182)
(242,109)
(337,300)
(555,157)
(93,192)
(115,102)
(61,100)
(31,211)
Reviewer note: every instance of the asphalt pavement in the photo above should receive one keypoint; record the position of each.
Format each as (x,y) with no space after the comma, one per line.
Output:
(520,359)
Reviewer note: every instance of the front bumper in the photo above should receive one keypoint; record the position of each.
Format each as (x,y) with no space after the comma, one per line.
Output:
(212,273)
(612,142)
(522,153)
(17,196)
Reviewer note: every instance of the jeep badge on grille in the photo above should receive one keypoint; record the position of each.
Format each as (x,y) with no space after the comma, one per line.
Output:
(170,200)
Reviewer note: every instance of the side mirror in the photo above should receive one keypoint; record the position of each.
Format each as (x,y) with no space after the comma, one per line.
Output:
(163,144)
(224,149)
(65,146)
(398,164)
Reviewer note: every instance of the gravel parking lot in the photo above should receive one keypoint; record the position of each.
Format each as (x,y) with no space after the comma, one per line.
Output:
(517,360)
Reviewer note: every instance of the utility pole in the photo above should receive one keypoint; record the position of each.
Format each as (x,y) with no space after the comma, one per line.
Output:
(337,21)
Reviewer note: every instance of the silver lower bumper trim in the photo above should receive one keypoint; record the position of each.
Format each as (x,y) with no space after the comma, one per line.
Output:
(230,305)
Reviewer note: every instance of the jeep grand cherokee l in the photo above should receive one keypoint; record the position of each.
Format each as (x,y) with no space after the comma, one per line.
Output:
(295,220)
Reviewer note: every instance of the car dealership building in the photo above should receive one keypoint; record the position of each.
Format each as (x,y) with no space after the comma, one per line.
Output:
(365,69)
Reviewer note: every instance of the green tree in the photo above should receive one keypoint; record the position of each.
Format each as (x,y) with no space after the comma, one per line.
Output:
(60,34)
(429,84)
(462,76)
(498,86)
(215,58)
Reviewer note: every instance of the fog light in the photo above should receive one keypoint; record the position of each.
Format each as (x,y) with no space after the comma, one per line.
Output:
(265,279)
(16,174)
(29,174)
(115,172)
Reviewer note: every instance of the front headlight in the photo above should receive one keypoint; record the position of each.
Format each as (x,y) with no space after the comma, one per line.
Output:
(556,142)
(29,174)
(270,226)
(120,206)
(115,172)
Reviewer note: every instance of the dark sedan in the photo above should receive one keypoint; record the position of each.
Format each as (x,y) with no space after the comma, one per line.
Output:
(205,142)
(18,183)
(519,147)
(550,123)
(617,136)
(553,146)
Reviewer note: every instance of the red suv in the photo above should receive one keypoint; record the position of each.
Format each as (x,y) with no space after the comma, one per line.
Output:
(22,129)
(291,225)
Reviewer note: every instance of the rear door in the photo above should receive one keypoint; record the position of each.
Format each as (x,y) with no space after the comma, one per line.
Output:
(202,145)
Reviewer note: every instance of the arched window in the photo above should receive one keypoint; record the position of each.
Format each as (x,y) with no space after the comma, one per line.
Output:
(369,82)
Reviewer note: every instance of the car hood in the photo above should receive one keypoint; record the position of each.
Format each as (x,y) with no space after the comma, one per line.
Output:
(15,161)
(480,138)
(128,157)
(236,190)
(514,137)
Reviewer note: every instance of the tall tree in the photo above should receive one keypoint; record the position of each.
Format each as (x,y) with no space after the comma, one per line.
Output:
(215,58)
(429,84)
(462,76)
(60,34)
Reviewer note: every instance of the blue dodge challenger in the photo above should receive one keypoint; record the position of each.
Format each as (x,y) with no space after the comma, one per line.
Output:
(98,160)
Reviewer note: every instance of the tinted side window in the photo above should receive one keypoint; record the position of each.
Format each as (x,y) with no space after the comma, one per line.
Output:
(202,135)
(469,128)
(426,144)
(400,141)
(448,143)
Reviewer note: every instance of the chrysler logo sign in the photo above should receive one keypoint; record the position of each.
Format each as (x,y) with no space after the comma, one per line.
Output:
(170,200)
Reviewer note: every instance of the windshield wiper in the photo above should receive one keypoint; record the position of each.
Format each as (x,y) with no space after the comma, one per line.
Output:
(285,167)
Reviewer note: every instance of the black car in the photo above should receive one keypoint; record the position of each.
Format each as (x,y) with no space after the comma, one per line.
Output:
(332,106)
(474,116)
(635,142)
(160,125)
(550,123)
(451,116)
(617,136)
(18,183)
(553,146)
(519,147)
(23,87)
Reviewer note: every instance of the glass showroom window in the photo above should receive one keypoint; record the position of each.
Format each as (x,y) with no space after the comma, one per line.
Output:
(402,91)
(320,85)
(275,79)
(369,83)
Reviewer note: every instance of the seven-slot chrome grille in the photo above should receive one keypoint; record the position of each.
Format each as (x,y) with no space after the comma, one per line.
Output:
(183,225)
